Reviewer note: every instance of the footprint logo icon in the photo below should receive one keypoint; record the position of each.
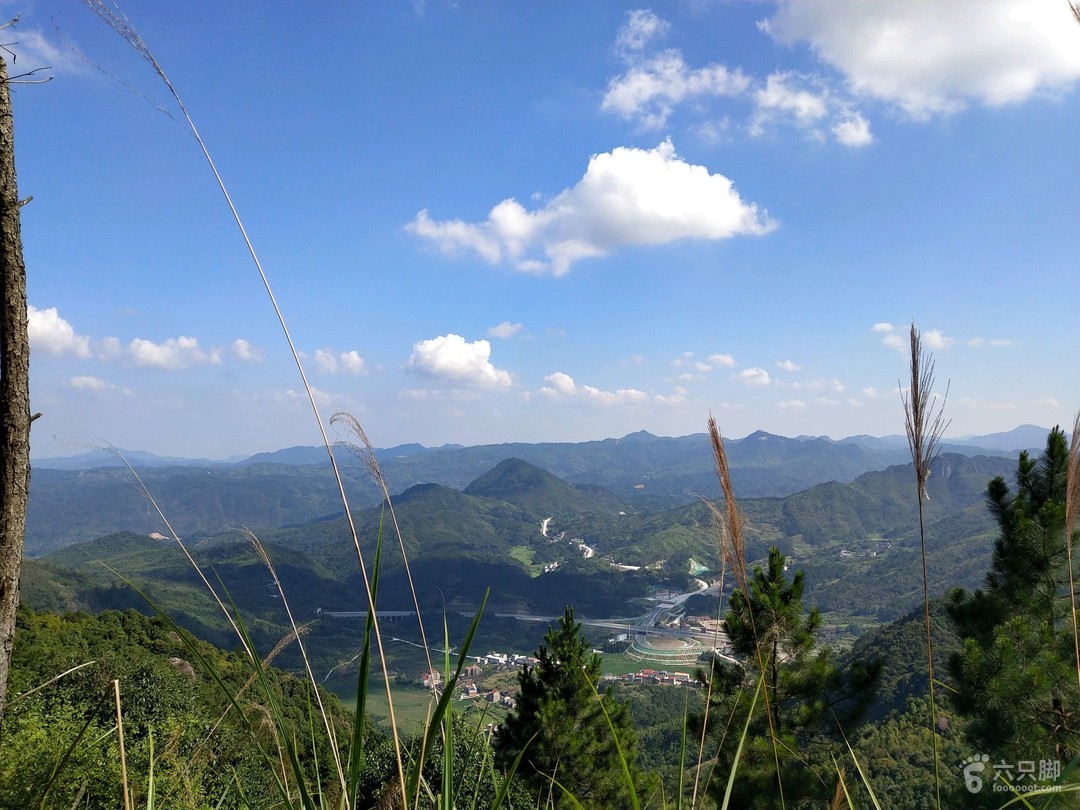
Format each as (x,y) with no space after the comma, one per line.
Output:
(973,768)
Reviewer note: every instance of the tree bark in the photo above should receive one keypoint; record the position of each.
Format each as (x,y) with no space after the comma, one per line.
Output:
(14,389)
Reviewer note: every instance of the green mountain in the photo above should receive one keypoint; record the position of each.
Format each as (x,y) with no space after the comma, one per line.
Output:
(537,491)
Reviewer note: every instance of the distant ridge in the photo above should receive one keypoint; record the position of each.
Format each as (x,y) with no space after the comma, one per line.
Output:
(1023,437)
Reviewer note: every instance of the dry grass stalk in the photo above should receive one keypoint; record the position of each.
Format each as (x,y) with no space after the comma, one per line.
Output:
(729,524)
(924,424)
(1072,507)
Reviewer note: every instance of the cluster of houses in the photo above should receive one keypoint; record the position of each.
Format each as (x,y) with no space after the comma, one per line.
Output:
(661,677)
(495,662)
(494,696)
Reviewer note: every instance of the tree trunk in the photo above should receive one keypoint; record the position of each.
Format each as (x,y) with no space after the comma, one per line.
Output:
(14,389)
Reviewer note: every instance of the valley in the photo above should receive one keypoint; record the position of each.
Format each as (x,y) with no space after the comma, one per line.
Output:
(524,537)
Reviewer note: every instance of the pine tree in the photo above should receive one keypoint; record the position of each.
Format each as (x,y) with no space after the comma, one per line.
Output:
(559,722)
(1016,674)
(804,688)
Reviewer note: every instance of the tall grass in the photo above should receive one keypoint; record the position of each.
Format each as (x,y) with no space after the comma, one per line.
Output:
(924,424)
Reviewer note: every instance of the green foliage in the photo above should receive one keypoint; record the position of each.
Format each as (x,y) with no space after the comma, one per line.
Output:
(1016,674)
(199,748)
(560,725)
(895,752)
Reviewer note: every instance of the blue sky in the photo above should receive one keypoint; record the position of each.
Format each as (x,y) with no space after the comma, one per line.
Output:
(491,222)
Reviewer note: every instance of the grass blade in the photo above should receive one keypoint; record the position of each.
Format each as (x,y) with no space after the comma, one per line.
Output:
(742,740)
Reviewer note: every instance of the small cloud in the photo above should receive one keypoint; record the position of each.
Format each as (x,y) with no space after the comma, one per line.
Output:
(352,363)
(33,50)
(88,382)
(934,339)
(871,393)
(724,360)
(641,28)
(504,330)
(242,350)
(792,405)
(755,376)
(560,384)
(628,197)
(853,130)
(451,359)
(651,89)
(53,335)
(896,341)
(882,327)
(788,365)
(344,363)
(172,355)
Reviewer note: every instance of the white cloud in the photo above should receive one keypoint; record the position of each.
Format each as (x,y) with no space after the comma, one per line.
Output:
(352,362)
(244,351)
(853,130)
(871,393)
(978,342)
(560,384)
(33,51)
(807,103)
(175,353)
(641,28)
(504,330)
(788,365)
(930,57)
(793,405)
(783,95)
(754,376)
(345,363)
(823,384)
(53,335)
(933,339)
(725,360)
(88,382)
(627,197)
(451,359)
(649,91)
(882,327)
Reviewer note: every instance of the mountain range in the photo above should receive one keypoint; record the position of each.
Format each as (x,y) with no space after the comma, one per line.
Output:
(84,497)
